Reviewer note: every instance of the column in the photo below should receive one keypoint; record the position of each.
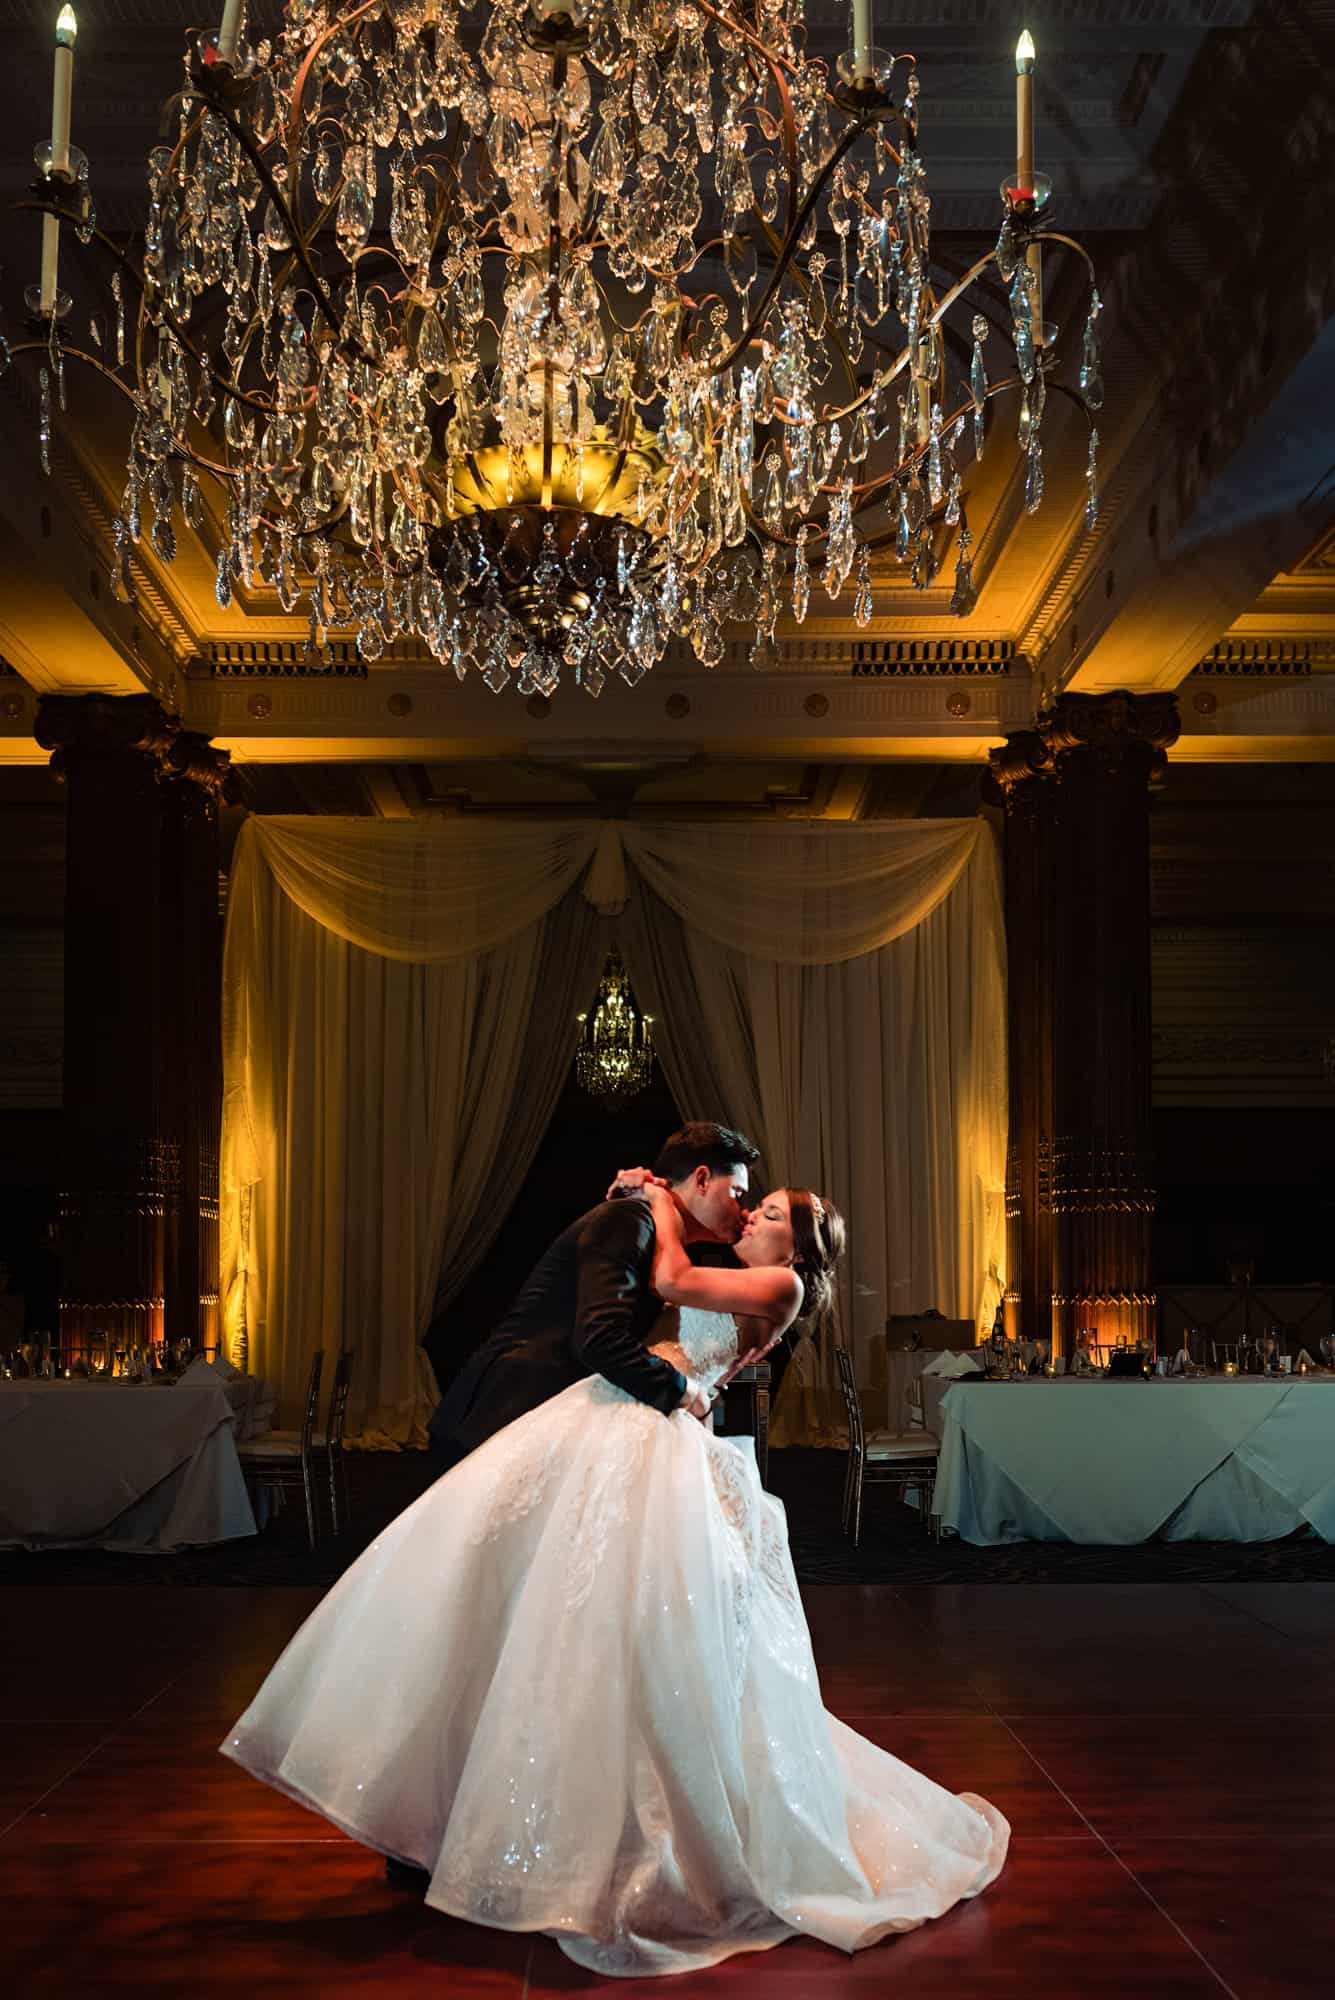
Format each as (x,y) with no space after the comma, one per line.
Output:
(143,1056)
(1019,771)
(1080,1195)
(118,1166)
(196,778)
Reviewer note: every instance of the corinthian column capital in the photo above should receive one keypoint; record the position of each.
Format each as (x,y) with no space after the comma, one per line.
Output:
(103,726)
(1112,726)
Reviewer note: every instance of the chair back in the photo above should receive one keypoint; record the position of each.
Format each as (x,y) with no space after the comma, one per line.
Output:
(338,1398)
(852,1401)
(311,1411)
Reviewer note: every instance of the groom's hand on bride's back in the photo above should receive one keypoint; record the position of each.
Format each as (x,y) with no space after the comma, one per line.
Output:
(631,1180)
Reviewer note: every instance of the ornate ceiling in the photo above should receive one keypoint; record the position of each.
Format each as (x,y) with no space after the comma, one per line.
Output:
(1191,143)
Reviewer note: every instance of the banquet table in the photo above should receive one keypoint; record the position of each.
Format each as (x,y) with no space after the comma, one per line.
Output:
(253,1402)
(903,1366)
(1090,1460)
(121,1465)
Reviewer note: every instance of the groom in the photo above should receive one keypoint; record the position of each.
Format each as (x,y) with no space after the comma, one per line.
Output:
(587,1306)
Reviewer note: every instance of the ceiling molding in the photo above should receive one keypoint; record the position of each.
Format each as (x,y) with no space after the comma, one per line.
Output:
(1242,168)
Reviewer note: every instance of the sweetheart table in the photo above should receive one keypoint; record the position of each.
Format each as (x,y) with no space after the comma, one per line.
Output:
(119,1465)
(1098,1461)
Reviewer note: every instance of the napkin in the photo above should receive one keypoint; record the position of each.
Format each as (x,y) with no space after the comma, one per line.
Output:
(201,1370)
(953,1366)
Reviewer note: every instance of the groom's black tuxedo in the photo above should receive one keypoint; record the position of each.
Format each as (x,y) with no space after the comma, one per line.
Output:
(585,1308)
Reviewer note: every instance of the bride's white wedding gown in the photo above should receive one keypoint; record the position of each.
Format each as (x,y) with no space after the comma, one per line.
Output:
(574,1682)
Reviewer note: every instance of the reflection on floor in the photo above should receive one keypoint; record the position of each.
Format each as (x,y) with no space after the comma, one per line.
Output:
(1163,1751)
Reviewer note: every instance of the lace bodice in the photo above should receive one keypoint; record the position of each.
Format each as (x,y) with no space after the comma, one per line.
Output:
(705,1347)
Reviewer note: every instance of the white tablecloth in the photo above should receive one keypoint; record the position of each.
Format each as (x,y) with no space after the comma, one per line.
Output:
(903,1366)
(132,1466)
(253,1403)
(1090,1460)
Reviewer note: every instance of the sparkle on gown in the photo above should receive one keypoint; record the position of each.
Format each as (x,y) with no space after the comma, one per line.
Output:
(574,1683)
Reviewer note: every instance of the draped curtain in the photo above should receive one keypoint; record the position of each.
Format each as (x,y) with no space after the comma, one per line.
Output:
(877,1076)
(399,1003)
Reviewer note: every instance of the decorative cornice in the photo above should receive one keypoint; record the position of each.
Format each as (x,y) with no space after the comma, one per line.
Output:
(874,657)
(1265,659)
(286,659)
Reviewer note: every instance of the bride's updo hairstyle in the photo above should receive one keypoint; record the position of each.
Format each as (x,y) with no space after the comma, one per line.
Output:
(819,1241)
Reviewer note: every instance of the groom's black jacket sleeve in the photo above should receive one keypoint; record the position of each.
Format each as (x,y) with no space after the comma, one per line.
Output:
(614,1261)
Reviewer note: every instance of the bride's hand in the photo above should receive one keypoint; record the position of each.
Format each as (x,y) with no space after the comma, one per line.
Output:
(634,1180)
(749,1357)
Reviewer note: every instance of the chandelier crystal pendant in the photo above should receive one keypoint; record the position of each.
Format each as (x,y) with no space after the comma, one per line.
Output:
(615,1056)
(546,330)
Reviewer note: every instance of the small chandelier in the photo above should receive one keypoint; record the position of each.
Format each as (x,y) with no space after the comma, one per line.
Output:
(548,329)
(616,1050)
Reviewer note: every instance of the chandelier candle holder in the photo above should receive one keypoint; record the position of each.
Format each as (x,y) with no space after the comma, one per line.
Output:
(547,330)
(615,1056)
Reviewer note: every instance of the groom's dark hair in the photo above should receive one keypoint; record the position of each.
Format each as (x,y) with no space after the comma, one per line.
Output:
(701,1144)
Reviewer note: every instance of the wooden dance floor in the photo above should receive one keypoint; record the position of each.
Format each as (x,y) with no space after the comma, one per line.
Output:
(1164,1753)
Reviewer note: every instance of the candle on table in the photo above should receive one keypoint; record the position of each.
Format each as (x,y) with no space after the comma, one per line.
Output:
(62,94)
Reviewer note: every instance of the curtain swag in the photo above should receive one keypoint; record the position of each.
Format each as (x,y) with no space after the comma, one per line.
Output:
(437,893)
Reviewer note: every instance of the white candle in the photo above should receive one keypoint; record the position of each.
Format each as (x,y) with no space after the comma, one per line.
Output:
(862,42)
(1024,161)
(229,34)
(50,263)
(62,90)
(62,93)
(1024,112)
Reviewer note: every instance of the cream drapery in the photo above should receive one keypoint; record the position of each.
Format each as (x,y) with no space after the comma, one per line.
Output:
(879,1079)
(399,1003)
(379,1115)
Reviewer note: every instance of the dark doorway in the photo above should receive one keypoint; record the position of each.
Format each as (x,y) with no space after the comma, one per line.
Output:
(583,1148)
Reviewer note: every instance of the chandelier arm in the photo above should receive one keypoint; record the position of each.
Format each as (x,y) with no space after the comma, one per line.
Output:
(805,284)
(789,250)
(901,363)
(736,26)
(304,68)
(118,257)
(1069,243)
(937,319)
(870,491)
(95,361)
(279,200)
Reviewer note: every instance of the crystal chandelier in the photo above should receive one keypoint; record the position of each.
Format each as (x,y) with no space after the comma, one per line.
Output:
(616,1048)
(547,330)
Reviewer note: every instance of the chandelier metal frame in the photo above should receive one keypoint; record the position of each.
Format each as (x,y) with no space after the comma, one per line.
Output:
(513,462)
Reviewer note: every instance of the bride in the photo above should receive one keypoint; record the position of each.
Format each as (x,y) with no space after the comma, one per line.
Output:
(574,1683)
